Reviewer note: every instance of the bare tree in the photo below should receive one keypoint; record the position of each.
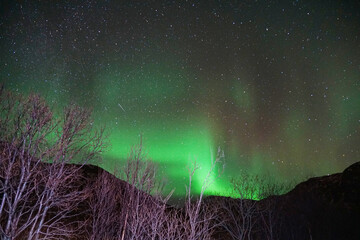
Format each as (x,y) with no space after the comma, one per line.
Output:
(245,217)
(104,206)
(269,220)
(139,173)
(238,217)
(39,191)
(199,219)
(136,209)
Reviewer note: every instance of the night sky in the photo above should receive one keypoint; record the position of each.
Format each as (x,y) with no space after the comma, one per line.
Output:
(276,86)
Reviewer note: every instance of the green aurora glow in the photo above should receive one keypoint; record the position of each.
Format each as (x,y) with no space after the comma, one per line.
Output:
(278,92)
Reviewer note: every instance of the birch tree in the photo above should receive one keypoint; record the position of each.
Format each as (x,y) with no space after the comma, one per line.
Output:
(39,189)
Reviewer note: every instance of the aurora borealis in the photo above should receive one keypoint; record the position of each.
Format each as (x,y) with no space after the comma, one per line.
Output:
(276,86)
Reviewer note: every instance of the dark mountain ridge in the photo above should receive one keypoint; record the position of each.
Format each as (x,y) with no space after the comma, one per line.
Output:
(325,207)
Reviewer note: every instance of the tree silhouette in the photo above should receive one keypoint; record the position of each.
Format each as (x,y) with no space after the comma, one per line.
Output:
(39,191)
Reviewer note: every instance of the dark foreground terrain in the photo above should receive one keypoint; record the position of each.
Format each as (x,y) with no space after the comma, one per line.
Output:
(325,207)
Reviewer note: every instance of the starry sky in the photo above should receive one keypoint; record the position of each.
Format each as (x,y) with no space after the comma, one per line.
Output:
(275,85)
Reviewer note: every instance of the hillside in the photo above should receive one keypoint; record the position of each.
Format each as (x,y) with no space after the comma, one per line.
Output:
(325,207)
